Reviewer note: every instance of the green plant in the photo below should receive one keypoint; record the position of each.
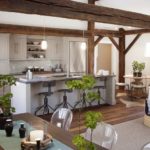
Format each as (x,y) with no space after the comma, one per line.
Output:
(141,67)
(86,84)
(5,98)
(135,65)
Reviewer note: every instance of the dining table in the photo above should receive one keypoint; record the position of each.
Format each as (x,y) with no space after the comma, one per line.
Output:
(62,136)
(144,78)
(140,83)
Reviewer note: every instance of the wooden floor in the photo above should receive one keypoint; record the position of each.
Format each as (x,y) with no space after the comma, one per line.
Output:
(111,114)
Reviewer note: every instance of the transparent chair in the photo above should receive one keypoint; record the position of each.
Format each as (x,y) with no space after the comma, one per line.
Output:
(62,118)
(104,135)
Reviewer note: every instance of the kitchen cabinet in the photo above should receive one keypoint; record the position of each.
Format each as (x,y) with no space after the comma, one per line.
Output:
(4,53)
(18,47)
(4,47)
(55,49)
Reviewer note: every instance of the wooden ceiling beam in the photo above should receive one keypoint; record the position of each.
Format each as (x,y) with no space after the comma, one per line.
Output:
(30,30)
(98,40)
(132,43)
(107,33)
(76,10)
(138,31)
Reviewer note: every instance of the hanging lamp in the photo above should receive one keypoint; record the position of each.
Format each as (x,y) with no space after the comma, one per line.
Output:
(83,44)
(44,44)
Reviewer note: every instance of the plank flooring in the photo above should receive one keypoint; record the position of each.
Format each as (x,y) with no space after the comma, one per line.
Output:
(111,114)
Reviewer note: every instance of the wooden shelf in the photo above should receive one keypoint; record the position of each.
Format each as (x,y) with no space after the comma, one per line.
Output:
(32,45)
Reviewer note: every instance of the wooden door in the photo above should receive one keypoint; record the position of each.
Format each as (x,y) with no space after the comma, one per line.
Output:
(104,57)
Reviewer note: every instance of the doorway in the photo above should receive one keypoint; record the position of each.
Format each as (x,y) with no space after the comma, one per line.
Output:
(104,57)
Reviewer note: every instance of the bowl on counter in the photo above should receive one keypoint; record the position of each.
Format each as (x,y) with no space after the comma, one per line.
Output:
(36,43)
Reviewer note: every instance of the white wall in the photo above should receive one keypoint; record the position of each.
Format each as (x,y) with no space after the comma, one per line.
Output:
(137,53)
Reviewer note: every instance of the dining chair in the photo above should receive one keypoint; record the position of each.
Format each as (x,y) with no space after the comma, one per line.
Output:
(62,117)
(104,134)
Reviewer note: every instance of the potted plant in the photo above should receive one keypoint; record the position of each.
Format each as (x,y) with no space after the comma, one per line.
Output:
(6,109)
(135,67)
(86,84)
(91,119)
(141,67)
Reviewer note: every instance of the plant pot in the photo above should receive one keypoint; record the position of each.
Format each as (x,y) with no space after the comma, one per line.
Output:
(3,119)
(135,74)
(139,74)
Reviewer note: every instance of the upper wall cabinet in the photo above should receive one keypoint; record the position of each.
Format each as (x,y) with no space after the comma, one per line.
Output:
(18,47)
(4,46)
(55,48)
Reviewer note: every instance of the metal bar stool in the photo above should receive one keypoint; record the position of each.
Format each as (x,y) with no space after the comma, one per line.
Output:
(83,101)
(98,87)
(46,107)
(64,103)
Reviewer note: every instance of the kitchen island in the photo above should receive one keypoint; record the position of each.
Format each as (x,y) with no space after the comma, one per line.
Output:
(26,96)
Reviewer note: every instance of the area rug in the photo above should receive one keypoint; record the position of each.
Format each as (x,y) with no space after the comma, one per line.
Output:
(129,103)
(132,135)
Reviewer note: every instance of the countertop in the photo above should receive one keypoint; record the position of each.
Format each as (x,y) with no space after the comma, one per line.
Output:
(53,77)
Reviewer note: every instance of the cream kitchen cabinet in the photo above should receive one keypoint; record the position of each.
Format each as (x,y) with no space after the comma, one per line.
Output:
(4,53)
(4,47)
(18,47)
(54,50)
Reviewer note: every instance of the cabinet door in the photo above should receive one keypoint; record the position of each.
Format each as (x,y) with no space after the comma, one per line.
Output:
(51,50)
(54,50)
(18,47)
(4,46)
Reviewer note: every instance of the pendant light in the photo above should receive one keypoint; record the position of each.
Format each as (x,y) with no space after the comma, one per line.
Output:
(147,50)
(44,42)
(83,44)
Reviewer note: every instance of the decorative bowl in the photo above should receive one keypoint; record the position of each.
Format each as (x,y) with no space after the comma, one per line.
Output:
(26,144)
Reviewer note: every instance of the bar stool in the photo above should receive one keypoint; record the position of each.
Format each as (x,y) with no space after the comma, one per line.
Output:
(122,84)
(46,107)
(83,101)
(64,103)
(98,87)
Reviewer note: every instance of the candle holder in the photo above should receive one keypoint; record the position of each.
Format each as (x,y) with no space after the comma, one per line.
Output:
(26,144)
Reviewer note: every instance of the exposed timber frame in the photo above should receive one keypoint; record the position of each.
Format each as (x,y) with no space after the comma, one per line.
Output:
(76,10)
(81,11)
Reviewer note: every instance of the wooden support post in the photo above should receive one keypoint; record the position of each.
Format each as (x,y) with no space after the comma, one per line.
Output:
(91,48)
(91,45)
(121,55)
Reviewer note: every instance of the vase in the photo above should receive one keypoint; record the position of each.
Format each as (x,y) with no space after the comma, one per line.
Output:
(139,74)
(3,119)
(135,74)
(8,127)
(22,130)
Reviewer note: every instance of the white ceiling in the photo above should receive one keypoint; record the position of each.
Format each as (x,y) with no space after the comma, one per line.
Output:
(141,6)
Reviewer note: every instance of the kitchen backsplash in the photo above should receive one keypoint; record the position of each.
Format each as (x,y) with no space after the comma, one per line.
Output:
(19,66)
